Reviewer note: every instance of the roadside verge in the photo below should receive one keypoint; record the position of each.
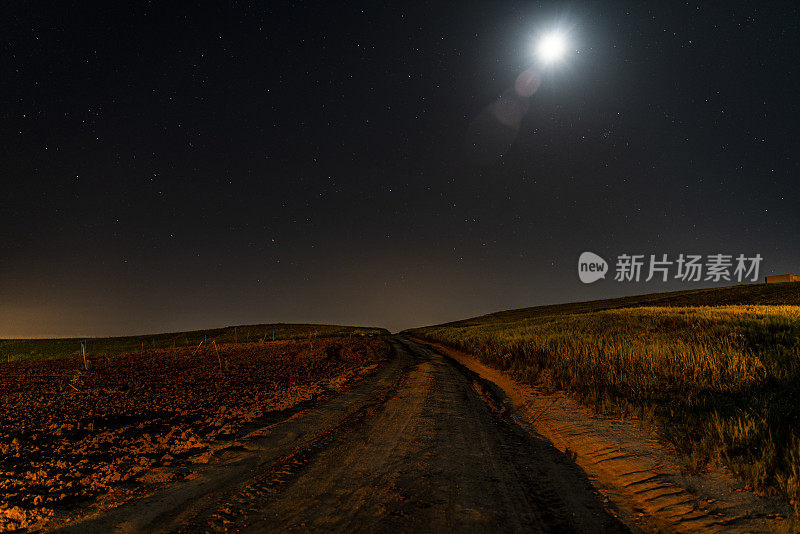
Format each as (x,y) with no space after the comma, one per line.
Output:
(627,463)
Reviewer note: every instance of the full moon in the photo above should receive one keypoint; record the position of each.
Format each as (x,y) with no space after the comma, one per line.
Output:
(551,47)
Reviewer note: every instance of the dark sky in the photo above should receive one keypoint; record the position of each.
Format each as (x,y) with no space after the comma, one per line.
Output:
(168,166)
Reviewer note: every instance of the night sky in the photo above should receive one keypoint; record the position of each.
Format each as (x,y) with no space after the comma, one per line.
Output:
(169,167)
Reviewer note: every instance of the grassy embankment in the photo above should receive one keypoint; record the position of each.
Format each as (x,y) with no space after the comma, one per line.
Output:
(16,350)
(717,370)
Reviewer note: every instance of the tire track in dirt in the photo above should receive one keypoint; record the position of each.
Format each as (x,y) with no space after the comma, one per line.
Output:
(437,457)
(232,509)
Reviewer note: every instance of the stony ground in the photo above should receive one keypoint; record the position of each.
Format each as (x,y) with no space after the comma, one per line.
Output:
(70,435)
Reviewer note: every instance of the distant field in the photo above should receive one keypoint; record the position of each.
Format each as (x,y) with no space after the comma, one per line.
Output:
(772,294)
(718,370)
(16,350)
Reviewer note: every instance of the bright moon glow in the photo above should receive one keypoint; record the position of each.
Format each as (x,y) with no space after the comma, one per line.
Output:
(552,47)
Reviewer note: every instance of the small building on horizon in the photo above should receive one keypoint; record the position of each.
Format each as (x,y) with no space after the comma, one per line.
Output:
(780,278)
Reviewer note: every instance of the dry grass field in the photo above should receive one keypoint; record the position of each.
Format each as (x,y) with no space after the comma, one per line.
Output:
(717,371)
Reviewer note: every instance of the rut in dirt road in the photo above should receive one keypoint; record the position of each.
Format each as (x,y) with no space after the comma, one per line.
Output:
(427,448)
(440,455)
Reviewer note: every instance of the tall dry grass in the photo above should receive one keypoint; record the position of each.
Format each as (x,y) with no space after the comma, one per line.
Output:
(722,383)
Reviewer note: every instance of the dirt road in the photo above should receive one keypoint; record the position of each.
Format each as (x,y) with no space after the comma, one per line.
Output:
(422,446)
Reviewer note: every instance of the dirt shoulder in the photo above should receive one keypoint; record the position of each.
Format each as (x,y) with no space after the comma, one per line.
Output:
(631,467)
